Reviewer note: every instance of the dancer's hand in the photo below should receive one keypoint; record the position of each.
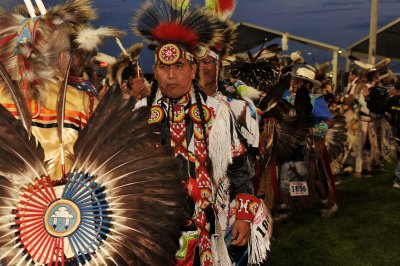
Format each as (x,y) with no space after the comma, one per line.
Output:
(240,233)
(139,88)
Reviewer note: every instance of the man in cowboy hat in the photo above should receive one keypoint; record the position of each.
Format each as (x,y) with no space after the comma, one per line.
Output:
(307,103)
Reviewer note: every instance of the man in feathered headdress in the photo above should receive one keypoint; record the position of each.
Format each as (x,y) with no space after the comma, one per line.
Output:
(126,73)
(201,130)
(53,215)
(35,52)
(234,92)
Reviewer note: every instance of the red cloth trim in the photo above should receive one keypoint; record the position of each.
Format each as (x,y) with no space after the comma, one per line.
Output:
(246,207)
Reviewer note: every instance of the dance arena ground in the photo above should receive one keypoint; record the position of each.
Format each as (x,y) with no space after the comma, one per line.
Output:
(365,231)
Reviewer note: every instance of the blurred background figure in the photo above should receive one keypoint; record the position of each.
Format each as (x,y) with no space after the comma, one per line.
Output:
(393,108)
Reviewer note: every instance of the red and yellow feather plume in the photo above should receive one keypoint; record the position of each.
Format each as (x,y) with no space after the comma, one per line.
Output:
(223,8)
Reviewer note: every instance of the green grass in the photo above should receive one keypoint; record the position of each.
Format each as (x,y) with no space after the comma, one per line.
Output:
(365,231)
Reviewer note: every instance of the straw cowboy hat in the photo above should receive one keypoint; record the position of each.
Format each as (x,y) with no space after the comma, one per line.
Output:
(308,75)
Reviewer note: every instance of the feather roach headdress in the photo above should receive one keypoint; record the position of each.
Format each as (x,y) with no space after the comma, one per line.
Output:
(224,46)
(123,61)
(122,203)
(175,28)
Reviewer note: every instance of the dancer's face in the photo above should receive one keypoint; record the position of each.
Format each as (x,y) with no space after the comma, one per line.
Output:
(175,80)
(208,71)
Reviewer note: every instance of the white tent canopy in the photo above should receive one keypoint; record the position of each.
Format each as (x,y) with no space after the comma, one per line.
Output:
(387,43)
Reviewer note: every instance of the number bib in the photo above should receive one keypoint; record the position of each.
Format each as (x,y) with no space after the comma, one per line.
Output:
(298,188)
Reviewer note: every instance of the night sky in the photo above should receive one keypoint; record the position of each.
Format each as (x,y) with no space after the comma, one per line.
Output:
(340,23)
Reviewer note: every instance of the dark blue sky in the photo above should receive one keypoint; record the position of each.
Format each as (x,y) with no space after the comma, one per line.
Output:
(340,22)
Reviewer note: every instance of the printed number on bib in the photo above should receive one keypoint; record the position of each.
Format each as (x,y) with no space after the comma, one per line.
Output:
(298,189)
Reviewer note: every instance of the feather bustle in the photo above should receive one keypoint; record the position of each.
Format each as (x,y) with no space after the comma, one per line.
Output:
(18,99)
(139,179)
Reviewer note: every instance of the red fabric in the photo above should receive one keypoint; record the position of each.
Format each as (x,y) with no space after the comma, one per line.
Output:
(274,179)
(193,189)
(200,186)
(326,161)
(178,33)
(247,207)
(189,258)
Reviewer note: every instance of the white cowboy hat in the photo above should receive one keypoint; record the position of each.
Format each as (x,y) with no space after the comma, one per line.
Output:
(307,74)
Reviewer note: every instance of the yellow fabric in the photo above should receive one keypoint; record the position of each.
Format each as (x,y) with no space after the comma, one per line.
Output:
(77,113)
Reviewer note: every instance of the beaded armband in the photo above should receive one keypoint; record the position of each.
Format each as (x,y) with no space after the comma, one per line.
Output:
(246,207)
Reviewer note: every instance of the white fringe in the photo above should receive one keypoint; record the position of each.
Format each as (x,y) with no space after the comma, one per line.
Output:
(220,150)
(219,249)
(259,243)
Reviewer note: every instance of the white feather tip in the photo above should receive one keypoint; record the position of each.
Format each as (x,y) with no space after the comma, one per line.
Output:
(101,57)
(89,38)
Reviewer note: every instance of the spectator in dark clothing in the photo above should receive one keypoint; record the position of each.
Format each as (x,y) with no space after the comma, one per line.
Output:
(393,108)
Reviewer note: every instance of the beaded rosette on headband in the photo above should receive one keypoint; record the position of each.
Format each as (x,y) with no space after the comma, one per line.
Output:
(170,53)
(177,30)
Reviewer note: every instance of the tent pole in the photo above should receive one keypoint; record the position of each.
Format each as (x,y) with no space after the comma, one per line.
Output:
(372,32)
(335,63)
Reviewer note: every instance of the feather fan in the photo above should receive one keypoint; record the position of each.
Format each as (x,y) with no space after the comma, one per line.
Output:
(289,134)
(122,204)
(287,130)
(261,74)
(275,94)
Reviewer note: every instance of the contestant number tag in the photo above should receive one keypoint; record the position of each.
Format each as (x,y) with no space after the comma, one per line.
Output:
(298,189)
